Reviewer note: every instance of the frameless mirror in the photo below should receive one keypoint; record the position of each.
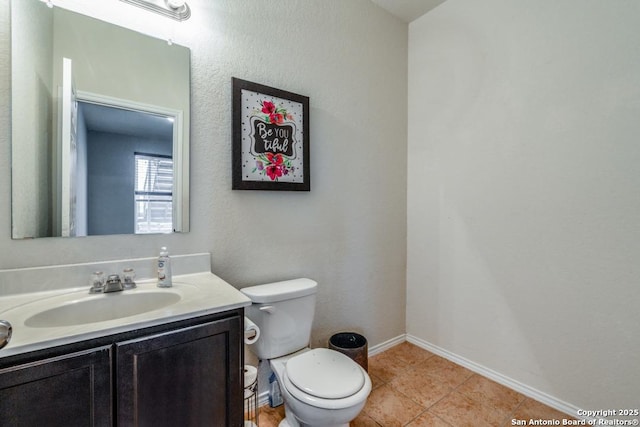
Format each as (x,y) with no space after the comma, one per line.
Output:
(100,127)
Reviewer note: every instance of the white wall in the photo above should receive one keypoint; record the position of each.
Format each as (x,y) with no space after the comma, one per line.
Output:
(103,63)
(523,194)
(349,232)
(32,201)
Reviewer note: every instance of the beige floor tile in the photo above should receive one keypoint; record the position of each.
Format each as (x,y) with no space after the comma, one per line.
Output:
(428,420)
(390,408)
(375,381)
(491,394)
(531,409)
(363,420)
(461,411)
(444,371)
(386,366)
(408,353)
(422,389)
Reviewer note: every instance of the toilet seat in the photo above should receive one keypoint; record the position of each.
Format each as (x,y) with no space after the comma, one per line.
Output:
(325,379)
(325,373)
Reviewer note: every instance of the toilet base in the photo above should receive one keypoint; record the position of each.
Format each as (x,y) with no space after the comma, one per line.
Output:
(291,421)
(285,423)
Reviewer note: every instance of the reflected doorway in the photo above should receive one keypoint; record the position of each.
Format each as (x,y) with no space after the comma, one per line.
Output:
(124,174)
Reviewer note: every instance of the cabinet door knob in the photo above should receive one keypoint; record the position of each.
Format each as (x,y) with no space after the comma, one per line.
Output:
(5,333)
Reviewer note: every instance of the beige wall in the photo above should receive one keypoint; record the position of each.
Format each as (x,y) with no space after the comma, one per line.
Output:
(349,232)
(523,200)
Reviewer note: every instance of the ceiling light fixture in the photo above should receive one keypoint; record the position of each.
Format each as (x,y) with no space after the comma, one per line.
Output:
(174,9)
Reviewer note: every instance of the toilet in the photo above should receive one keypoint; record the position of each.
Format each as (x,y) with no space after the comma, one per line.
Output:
(320,387)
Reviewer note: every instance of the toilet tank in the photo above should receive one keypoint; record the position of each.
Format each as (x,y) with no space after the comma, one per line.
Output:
(284,313)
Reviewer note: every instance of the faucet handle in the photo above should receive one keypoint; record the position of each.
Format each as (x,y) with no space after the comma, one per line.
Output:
(128,274)
(97,282)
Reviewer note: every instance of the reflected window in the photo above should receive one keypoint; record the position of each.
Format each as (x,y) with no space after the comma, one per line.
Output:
(153,193)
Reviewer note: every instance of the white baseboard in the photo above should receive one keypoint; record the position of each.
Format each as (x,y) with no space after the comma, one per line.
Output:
(524,389)
(379,348)
(263,398)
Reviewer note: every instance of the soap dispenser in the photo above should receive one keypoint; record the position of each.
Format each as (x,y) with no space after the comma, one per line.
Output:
(164,268)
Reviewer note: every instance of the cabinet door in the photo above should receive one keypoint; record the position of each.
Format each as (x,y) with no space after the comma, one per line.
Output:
(65,391)
(186,377)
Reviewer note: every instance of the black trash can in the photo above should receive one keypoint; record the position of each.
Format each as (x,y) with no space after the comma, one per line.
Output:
(353,345)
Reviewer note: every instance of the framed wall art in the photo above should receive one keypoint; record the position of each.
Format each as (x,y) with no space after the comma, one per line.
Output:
(270,138)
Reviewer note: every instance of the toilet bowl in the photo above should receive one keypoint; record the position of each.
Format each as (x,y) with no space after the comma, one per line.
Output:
(320,387)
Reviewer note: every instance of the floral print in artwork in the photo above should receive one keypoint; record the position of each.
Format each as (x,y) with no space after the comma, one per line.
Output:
(273,164)
(273,114)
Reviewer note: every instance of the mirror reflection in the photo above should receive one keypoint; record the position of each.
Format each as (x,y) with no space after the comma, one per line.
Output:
(100,127)
(126,153)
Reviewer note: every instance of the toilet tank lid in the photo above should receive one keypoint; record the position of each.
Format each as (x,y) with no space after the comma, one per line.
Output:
(280,291)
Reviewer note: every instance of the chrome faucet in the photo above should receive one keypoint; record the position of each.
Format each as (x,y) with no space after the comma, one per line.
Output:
(113,284)
(5,333)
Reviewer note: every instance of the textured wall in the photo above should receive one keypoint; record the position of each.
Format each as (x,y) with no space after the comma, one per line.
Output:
(349,232)
(523,199)
(33,135)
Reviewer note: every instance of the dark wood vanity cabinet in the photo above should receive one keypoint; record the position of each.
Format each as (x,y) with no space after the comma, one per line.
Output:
(185,374)
(66,391)
(187,377)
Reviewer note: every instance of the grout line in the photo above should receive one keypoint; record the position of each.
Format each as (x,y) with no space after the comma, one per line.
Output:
(440,418)
(416,417)
(407,367)
(515,410)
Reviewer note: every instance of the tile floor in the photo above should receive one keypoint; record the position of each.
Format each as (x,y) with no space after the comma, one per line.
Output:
(413,387)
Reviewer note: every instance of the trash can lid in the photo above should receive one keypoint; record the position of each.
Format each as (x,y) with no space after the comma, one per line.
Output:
(325,373)
(347,340)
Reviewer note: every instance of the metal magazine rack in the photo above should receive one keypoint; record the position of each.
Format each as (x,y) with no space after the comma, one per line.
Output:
(250,397)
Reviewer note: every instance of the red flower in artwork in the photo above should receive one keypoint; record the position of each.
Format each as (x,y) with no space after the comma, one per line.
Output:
(275,159)
(274,172)
(276,166)
(276,118)
(268,107)
(274,114)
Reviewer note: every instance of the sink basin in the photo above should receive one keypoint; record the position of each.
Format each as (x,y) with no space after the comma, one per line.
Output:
(100,308)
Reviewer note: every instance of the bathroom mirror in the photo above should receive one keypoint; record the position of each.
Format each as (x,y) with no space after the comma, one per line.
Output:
(100,127)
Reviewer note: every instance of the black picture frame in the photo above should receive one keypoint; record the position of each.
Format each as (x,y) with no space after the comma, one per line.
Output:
(270,138)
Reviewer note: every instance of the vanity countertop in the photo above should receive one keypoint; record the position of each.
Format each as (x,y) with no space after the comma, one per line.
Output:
(197,294)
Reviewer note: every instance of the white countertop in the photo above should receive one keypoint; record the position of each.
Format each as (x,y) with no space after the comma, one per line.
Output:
(200,294)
